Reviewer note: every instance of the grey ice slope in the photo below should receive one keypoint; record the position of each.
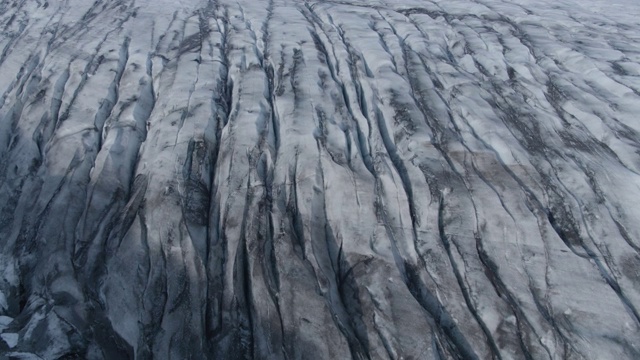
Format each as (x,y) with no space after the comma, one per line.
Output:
(291,179)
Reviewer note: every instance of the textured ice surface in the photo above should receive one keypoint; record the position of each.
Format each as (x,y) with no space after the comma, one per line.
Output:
(289,179)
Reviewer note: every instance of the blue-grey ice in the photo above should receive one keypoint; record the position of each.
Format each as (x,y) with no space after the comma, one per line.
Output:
(340,179)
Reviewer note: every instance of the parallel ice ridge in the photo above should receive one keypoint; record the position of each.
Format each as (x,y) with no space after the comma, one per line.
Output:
(289,179)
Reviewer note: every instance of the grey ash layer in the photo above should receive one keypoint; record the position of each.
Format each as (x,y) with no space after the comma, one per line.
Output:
(290,179)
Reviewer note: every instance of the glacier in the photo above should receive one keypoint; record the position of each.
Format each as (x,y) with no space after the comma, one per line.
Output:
(340,179)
